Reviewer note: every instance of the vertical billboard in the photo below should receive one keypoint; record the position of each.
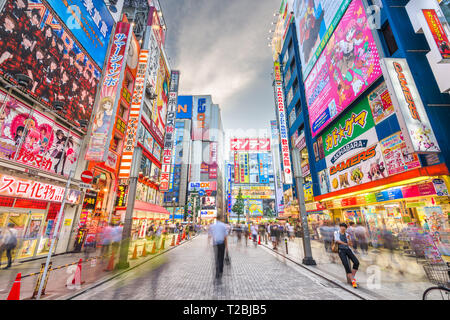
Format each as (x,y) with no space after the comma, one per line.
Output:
(347,66)
(166,173)
(263,168)
(413,119)
(184,110)
(199,116)
(37,43)
(437,30)
(213,160)
(315,22)
(279,94)
(90,22)
(236,168)
(133,120)
(106,107)
(242,168)
(254,167)
(159,109)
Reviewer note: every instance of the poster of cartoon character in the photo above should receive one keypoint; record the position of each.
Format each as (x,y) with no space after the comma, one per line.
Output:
(324,182)
(34,139)
(347,66)
(396,155)
(381,103)
(162,90)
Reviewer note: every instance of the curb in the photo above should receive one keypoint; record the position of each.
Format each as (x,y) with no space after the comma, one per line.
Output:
(100,282)
(336,282)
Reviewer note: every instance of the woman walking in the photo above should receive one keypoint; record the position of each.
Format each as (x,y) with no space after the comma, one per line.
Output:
(342,239)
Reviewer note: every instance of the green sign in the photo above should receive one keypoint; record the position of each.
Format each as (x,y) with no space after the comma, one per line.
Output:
(350,125)
(370,198)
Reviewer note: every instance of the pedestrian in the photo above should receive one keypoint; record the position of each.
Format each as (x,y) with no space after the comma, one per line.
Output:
(363,238)
(254,231)
(8,242)
(246,233)
(218,233)
(291,232)
(342,239)
(351,232)
(106,237)
(116,237)
(274,235)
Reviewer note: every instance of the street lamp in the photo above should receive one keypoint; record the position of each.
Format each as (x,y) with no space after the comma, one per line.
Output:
(173,209)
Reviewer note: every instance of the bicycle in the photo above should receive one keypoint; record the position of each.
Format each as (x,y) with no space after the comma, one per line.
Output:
(438,274)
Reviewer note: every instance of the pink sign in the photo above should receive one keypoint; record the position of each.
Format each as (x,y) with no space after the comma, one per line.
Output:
(424,189)
(348,65)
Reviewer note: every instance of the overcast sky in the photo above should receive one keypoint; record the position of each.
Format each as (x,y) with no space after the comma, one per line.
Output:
(220,48)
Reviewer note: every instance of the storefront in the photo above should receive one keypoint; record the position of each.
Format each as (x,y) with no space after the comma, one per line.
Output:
(31,207)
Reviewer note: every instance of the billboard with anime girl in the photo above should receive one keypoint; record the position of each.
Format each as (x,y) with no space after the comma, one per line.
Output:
(348,65)
(32,138)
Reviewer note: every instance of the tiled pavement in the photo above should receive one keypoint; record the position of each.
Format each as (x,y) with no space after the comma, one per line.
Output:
(187,273)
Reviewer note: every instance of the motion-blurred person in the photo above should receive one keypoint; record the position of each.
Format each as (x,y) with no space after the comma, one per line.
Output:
(8,242)
(116,237)
(351,232)
(106,237)
(326,233)
(342,238)
(274,233)
(362,236)
(218,233)
(246,233)
(254,231)
(239,233)
(291,232)
(389,243)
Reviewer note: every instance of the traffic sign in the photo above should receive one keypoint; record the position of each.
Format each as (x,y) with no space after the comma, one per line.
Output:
(87,176)
(85,185)
(201,192)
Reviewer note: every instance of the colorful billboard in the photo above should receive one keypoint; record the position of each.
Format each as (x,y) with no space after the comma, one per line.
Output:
(159,110)
(106,107)
(354,132)
(90,22)
(315,22)
(42,143)
(207,203)
(255,207)
(236,168)
(201,103)
(396,155)
(366,166)
(381,103)
(348,65)
(254,168)
(263,167)
(438,32)
(213,160)
(133,120)
(36,43)
(246,144)
(413,119)
(184,110)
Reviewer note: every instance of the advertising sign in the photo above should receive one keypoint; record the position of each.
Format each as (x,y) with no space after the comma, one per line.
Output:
(315,22)
(37,43)
(44,144)
(207,186)
(413,119)
(109,97)
(90,22)
(286,158)
(324,182)
(208,214)
(236,168)
(255,208)
(348,65)
(184,110)
(133,120)
(308,191)
(396,155)
(438,32)
(381,103)
(208,203)
(201,103)
(254,167)
(159,109)
(366,166)
(213,160)
(261,144)
(242,168)
(153,65)
(354,131)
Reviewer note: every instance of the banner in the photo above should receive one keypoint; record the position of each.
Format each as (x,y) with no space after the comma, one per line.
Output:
(395,154)
(246,168)
(236,168)
(109,98)
(438,32)
(201,103)
(255,144)
(159,109)
(44,144)
(286,158)
(381,103)
(207,186)
(348,65)
(366,166)
(255,208)
(315,22)
(254,167)
(413,119)
(213,160)
(37,43)
(207,203)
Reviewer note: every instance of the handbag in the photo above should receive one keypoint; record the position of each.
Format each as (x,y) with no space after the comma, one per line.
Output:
(227,258)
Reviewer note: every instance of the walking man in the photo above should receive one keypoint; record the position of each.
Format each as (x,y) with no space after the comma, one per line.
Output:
(218,233)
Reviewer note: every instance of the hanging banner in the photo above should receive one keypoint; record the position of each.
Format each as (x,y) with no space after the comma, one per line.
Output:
(106,107)
(254,167)
(213,160)
(286,158)
(236,168)
(395,154)
(413,119)
(348,65)
(133,120)
(438,32)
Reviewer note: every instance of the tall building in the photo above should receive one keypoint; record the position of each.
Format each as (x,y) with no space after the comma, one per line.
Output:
(366,101)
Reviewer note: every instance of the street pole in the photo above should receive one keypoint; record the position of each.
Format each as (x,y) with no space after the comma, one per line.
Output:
(55,234)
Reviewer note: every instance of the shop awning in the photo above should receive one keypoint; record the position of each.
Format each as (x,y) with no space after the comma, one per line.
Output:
(145,206)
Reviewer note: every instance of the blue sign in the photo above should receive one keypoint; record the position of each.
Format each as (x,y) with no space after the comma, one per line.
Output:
(184,109)
(389,195)
(201,192)
(90,22)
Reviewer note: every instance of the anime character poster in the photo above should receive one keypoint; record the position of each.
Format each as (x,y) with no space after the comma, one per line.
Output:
(315,22)
(35,43)
(34,139)
(348,65)
(324,182)
(381,103)
(395,153)
(162,90)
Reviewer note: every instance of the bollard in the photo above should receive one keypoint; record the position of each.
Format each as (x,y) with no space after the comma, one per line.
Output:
(285,241)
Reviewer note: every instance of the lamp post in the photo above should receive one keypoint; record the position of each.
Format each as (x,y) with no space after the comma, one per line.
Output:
(173,209)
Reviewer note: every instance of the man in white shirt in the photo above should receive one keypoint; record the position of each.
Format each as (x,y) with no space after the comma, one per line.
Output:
(218,233)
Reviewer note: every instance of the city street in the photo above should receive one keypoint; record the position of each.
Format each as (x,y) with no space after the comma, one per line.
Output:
(187,273)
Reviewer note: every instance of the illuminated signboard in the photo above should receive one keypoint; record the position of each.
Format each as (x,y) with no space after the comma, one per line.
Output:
(256,144)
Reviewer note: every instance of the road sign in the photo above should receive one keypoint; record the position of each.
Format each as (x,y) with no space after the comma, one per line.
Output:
(85,185)
(87,176)
(201,192)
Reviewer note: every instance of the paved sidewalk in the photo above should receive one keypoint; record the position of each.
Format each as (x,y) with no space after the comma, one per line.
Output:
(92,271)
(254,274)
(380,275)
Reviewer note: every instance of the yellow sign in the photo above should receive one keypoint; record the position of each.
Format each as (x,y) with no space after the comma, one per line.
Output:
(67,222)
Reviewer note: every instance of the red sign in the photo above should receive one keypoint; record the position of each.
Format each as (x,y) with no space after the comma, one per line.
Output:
(22,188)
(87,176)
(438,32)
(254,144)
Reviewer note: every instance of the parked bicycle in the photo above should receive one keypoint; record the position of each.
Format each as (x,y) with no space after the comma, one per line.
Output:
(438,274)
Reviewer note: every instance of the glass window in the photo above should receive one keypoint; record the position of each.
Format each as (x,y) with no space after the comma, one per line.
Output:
(389,38)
